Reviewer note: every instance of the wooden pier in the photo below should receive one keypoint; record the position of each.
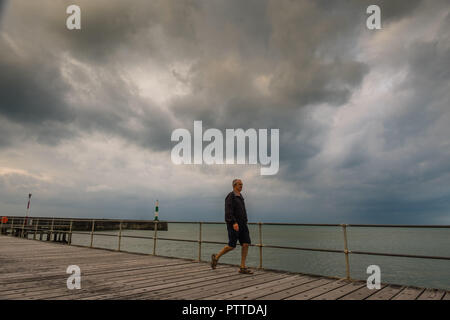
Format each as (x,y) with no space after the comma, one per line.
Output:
(32,270)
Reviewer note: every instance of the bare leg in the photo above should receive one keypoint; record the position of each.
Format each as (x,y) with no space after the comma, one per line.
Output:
(223,251)
(244,254)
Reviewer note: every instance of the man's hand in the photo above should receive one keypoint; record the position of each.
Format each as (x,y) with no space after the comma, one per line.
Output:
(236,227)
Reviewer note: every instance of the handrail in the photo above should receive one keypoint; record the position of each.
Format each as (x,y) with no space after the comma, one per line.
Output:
(66,229)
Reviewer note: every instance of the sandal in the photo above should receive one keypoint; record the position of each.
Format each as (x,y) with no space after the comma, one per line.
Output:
(245,271)
(213,261)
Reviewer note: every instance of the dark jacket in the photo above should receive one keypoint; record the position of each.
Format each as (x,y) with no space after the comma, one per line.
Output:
(235,209)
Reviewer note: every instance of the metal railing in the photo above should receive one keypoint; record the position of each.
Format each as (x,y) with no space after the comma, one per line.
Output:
(19,227)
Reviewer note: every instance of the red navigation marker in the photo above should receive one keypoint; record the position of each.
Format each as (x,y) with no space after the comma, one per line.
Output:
(4,219)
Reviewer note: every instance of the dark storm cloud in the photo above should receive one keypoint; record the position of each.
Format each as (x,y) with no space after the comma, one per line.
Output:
(32,92)
(38,83)
(6,139)
(109,26)
(403,178)
(288,46)
(2,7)
(232,43)
(429,81)
(153,132)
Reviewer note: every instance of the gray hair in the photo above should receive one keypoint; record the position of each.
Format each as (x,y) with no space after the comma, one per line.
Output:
(235,181)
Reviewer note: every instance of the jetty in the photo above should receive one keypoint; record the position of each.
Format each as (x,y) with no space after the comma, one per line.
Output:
(37,270)
(61,229)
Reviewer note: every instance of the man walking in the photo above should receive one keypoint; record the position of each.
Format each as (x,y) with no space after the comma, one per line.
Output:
(236,219)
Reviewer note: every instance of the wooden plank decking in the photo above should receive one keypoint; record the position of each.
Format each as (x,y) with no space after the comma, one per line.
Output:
(37,270)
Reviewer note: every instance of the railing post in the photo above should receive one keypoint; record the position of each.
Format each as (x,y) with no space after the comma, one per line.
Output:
(346,252)
(23,227)
(35,229)
(51,230)
(260,244)
(41,233)
(155,237)
(12,227)
(69,241)
(200,242)
(120,235)
(92,233)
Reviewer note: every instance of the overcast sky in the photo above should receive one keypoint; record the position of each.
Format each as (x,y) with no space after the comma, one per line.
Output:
(86,115)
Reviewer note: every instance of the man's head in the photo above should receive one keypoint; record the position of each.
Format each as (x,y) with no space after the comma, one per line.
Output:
(237,185)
